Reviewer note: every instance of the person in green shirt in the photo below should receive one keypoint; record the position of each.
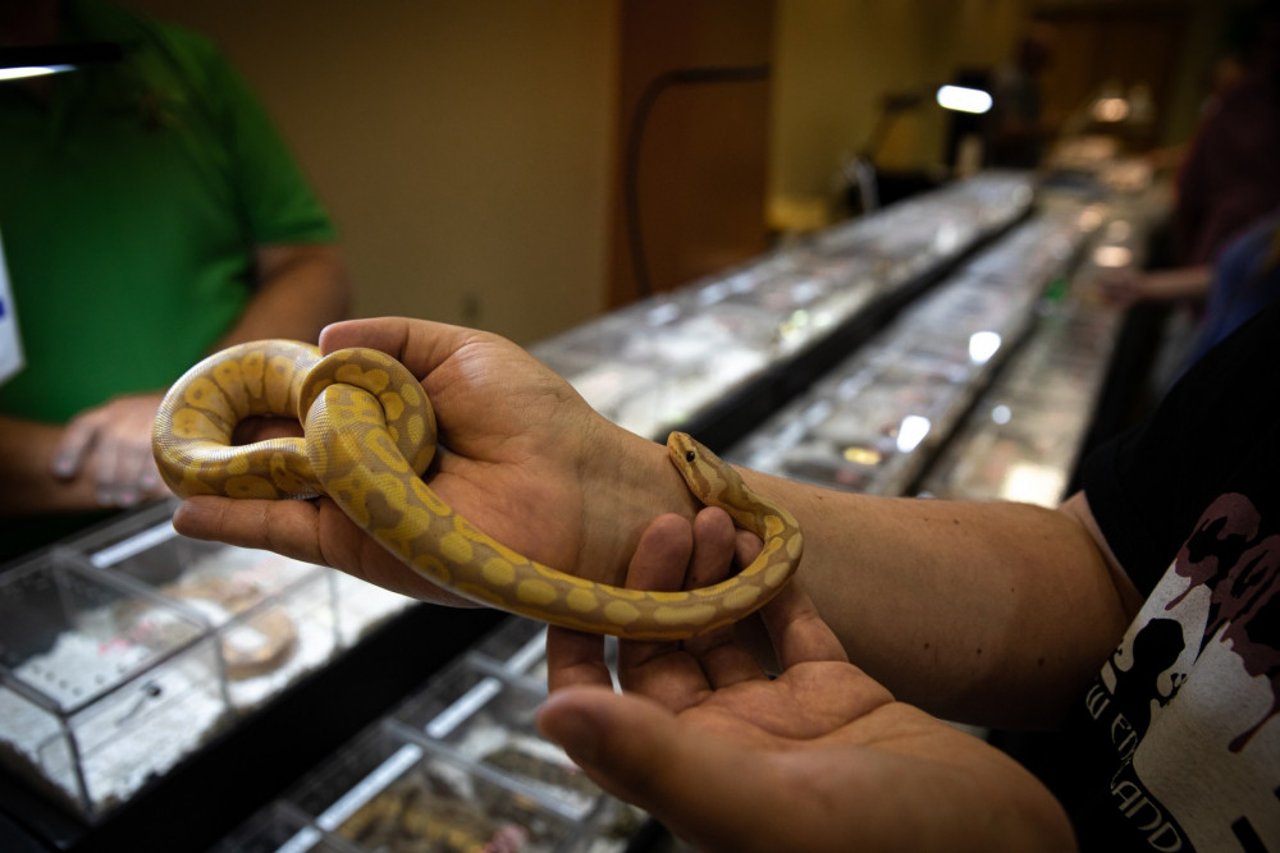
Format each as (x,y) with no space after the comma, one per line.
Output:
(150,214)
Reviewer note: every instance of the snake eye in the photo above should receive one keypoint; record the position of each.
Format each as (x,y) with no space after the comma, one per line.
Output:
(689,456)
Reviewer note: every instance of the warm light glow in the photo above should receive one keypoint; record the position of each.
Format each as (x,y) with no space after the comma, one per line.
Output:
(963,99)
(913,430)
(1091,217)
(33,71)
(862,455)
(1026,482)
(1111,109)
(982,346)
(1112,257)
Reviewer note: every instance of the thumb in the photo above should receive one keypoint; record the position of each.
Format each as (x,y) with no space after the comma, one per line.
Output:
(704,788)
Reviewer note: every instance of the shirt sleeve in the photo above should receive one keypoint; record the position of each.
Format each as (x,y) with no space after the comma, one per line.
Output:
(278,202)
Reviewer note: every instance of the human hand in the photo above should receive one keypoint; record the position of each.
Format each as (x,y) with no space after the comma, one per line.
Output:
(819,758)
(111,445)
(1121,287)
(522,457)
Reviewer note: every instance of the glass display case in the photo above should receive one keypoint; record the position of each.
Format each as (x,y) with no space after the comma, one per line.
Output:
(660,363)
(274,618)
(872,424)
(104,684)
(126,649)
(457,766)
(1026,434)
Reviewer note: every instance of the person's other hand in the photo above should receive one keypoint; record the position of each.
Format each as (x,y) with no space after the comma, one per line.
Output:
(111,446)
(819,758)
(522,457)
(1121,288)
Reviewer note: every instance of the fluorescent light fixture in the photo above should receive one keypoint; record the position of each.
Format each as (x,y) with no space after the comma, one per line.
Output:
(25,71)
(24,61)
(963,99)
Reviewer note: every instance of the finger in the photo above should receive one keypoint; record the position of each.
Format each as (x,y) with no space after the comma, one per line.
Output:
(150,482)
(706,789)
(661,671)
(798,632)
(714,542)
(724,661)
(77,440)
(574,659)
(662,554)
(312,531)
(747,546)
(132,459)
(106,464)
(422,345)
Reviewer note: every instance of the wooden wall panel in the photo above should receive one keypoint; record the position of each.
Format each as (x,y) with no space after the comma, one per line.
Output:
(703,169)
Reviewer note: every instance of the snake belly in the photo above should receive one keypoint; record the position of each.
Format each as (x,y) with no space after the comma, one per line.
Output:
(370,435)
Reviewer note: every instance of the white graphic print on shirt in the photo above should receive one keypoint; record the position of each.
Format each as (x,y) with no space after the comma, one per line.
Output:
(1190,698)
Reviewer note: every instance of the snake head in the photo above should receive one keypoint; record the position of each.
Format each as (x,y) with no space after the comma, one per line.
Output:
(700,467)
(683,450)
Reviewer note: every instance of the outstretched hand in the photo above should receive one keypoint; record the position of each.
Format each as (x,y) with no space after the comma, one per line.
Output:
(522,457)
(110,445)
(820,757)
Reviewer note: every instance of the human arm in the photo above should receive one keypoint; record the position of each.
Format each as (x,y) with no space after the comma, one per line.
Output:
(102,457)
(27,451)
(1125,287)
(301,288)
(819,758)
(990,612)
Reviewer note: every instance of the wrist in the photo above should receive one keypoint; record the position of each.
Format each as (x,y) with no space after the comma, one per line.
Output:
(628,481)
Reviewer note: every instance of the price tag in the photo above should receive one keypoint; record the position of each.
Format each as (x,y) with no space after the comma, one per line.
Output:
(11,359)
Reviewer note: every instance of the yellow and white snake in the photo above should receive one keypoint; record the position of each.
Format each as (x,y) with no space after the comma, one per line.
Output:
(369,435)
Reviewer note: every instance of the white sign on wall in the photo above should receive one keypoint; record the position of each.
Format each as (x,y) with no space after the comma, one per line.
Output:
(11,360)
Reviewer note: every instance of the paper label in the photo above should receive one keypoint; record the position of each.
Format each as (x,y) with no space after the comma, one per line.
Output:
(11,359)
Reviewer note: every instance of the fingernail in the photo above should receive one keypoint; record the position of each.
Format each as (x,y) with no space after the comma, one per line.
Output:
(62,465)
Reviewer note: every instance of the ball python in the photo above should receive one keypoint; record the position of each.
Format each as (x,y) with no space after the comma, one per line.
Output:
(369,436)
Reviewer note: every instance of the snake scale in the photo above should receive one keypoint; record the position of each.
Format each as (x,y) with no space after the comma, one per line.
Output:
(369,436)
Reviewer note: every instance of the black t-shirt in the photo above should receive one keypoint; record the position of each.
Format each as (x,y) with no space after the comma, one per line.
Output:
(1179,736)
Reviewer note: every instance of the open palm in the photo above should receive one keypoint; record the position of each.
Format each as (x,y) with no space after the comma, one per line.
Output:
(820,757)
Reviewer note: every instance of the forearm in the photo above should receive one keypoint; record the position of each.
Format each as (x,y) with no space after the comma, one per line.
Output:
(27,449)
(1177,284)
(301,290)
(989,612)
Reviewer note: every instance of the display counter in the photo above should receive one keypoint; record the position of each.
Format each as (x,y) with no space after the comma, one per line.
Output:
(711,357)
(152,687)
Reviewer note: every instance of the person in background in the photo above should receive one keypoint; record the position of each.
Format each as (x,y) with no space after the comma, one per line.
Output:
(1244,279)
(1231,176)
(150,214)
(1139,620)
(1015,132)
(1228,182)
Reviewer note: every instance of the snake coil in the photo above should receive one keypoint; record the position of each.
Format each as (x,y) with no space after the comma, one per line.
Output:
(369,436)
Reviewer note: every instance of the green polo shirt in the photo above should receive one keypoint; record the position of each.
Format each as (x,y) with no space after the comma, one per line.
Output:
(131,203)
(130,206)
